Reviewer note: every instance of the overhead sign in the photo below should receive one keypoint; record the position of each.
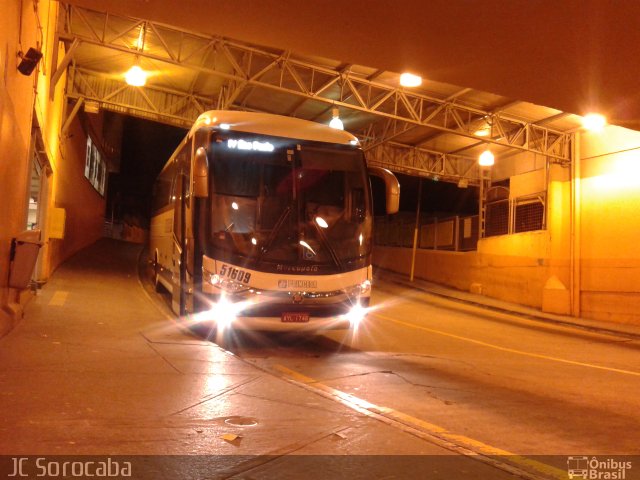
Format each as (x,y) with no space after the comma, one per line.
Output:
(253,145)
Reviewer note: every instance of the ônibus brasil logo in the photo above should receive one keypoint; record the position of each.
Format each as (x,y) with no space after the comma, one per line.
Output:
(597,469)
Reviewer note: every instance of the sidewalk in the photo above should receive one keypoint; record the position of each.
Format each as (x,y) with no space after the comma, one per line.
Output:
(619,329)
(97,368)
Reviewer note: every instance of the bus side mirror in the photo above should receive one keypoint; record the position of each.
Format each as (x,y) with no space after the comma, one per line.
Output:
(391,186)
(201,174)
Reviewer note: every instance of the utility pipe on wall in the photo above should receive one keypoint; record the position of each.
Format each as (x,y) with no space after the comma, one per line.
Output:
(416,230)
(576,239)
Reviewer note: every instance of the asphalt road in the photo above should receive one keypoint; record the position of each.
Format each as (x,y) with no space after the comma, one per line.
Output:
(488,381)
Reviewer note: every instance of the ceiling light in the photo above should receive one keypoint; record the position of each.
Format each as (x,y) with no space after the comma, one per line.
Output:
(139,44)
(410,80)
(486,158)
(136,76)
(594,122)
(484,130)
(463,183)
(335,121)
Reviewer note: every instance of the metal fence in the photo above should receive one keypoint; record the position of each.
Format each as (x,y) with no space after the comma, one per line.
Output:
(529,213)
(460,233)
(497,218)
(452,233)
(522,214)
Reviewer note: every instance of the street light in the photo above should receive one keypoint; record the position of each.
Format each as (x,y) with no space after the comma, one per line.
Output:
(410,80)
(335,121)
(594,122)
(136,76)
(486,158)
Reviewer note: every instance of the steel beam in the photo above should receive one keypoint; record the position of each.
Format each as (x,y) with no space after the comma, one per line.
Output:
(62,67)
(272,71)
(419,161)
(159,104)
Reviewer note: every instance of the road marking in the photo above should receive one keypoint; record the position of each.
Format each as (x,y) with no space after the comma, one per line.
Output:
(510,462)
(58,299)
(507,349)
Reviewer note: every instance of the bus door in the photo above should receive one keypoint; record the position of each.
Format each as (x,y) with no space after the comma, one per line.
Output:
(179,263)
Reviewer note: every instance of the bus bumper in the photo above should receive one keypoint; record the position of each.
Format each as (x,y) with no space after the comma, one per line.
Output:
(227,318)
(275,324)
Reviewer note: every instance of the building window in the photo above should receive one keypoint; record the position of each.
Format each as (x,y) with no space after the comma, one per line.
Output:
(95,169)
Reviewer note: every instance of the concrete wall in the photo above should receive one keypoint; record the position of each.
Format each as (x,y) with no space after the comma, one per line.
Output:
(610,233)
(534,268)
(21,98)
(83,205)
(514,268)
(16,106)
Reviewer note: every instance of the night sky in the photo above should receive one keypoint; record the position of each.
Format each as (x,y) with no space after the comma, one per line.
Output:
(146,146)
(437,197)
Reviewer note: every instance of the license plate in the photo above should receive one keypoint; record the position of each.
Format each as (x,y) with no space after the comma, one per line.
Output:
(295,317)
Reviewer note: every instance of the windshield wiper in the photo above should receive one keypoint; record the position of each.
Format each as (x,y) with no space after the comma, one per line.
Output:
(274,232)
(327,243)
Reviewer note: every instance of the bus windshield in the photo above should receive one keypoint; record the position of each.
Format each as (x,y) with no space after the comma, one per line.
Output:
(292,207)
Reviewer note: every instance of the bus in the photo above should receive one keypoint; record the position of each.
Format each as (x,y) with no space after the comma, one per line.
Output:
(264,222)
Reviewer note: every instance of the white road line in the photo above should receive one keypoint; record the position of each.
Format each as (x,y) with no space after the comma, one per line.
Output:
(507,349)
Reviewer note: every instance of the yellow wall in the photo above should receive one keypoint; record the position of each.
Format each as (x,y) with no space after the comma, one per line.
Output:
(84,206)
(610,187)
(510,267)
(16,104)
(70,190)
(67,186)
(534,268)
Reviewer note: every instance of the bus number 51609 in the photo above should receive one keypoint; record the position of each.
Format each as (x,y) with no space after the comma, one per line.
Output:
(235,274)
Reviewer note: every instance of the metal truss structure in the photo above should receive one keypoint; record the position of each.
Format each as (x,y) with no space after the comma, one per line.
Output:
(382,151)
(418,161)
(238,75)
(153,103)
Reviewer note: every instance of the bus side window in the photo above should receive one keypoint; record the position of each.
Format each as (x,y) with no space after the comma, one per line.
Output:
(177,194)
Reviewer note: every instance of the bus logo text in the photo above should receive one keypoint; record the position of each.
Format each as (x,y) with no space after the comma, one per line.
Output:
(297,284)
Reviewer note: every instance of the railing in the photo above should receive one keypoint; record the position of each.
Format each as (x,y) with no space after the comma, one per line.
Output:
(522,214)
(460,233)
(452,233)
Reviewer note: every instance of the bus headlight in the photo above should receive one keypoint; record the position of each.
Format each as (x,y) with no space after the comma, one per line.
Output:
(365,287)
(222,313)
(356,315)
(225,311)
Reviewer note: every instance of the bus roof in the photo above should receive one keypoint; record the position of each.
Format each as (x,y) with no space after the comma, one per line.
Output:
(275,125)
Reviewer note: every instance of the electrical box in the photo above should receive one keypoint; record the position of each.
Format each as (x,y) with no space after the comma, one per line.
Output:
(57,218)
